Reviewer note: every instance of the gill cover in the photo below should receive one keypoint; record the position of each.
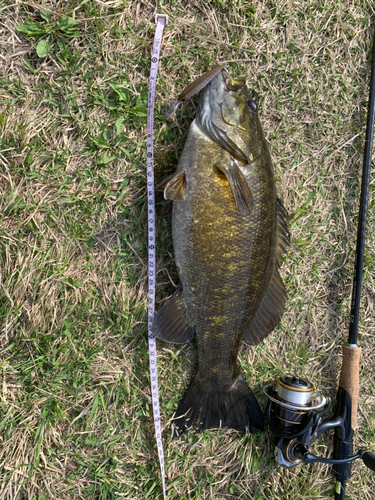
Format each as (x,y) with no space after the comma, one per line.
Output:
(227,117)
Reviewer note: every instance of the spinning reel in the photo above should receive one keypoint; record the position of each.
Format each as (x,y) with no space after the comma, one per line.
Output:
(295,417)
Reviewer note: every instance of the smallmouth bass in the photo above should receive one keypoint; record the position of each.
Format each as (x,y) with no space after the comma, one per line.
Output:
(229,235)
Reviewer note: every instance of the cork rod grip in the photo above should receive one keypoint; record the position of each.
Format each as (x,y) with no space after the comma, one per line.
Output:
(349,378)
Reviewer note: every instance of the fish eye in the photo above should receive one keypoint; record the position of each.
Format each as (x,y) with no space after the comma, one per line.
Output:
(252,105)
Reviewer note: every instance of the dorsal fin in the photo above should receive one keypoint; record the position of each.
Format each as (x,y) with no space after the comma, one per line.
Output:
(269,312)
(282,233)
(273,303)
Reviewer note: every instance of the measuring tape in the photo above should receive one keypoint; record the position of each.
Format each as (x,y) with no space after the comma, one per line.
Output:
(161,21)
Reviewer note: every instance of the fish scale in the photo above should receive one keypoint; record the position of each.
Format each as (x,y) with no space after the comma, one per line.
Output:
(229,234)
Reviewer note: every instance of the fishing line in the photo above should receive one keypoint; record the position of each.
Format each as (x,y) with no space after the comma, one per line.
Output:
(161,21)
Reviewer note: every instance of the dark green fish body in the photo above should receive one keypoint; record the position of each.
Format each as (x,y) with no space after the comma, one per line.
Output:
(228,236)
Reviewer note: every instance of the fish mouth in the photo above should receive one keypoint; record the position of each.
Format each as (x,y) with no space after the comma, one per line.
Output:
(234,84)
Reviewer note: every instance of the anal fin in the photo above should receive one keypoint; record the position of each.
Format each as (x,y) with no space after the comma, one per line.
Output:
(170,322)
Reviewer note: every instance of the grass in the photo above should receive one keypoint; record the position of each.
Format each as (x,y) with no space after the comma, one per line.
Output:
(75,407)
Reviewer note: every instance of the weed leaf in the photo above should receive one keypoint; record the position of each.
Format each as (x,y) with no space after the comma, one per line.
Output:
(64,23)
(119,124)
(43,48)
(123,94)
(31,29)
(45,15)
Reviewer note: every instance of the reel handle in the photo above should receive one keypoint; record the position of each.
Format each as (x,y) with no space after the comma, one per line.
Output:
(369,460)
(300,452)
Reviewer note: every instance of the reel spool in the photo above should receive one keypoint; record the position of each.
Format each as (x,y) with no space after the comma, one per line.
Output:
(293,413)
(290,406)
(295,417)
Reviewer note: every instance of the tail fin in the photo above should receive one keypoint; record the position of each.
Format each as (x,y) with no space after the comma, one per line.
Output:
(233,406)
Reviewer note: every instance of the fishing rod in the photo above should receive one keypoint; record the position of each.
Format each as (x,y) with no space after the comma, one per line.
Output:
(347,396)
(294,417)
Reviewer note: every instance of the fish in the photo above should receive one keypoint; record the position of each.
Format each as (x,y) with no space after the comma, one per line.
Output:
(229,236)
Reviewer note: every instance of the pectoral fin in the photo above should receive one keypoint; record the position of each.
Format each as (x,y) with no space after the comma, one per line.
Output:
(239,186)
(175,188)
(159,189)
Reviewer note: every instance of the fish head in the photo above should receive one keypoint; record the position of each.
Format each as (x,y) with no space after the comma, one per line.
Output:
(228,116)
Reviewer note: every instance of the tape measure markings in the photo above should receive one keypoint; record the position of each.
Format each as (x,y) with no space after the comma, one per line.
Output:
(161,21)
